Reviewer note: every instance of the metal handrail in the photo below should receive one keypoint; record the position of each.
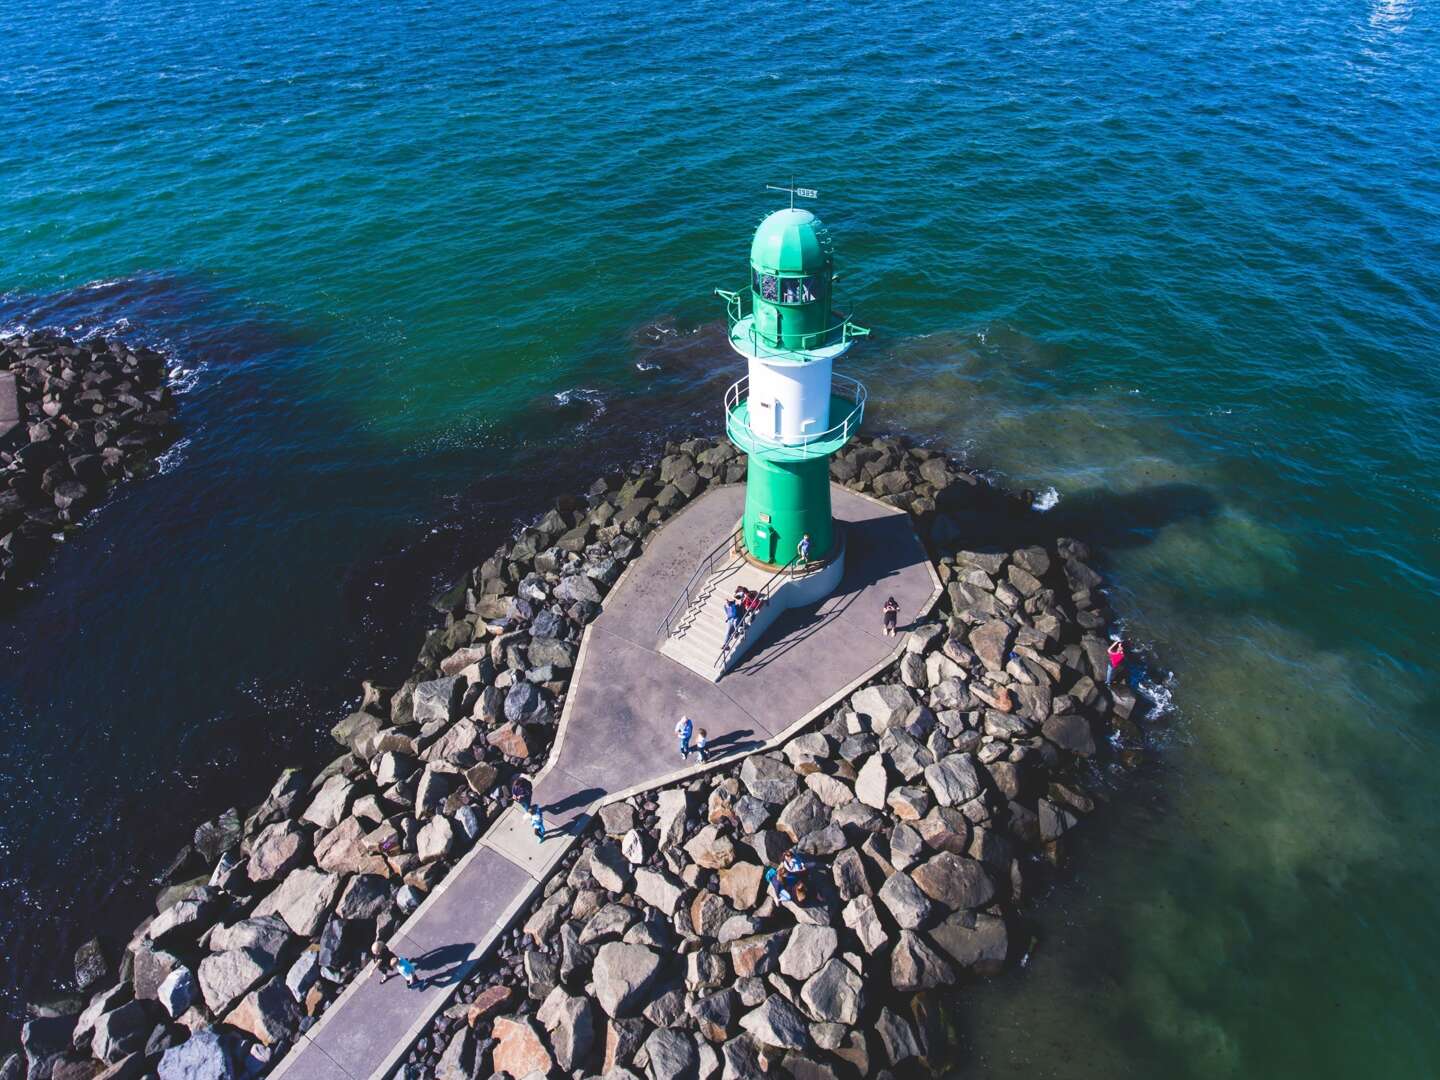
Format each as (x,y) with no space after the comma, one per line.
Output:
(765,592)
(853,389)
(707,564)
(735,304)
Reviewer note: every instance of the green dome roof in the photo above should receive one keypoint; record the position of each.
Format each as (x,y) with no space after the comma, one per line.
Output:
(790,241)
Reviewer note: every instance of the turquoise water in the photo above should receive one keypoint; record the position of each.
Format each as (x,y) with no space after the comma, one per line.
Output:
(1177,262)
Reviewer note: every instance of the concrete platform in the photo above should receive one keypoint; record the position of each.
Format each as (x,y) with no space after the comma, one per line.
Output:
(616,736)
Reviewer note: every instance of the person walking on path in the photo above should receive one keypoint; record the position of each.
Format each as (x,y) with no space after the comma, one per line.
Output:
(891,612)
(537,820)
(1116,653)
(684,728)
(387,963)
(522,791)
(700,746)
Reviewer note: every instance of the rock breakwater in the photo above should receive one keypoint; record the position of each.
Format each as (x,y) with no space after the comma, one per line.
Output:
(928,806)
(90,414)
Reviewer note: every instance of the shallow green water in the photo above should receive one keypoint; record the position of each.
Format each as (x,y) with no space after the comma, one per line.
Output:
(1177,262)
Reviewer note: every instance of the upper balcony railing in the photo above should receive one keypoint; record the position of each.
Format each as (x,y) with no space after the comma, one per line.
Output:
(847,399)
(737,310)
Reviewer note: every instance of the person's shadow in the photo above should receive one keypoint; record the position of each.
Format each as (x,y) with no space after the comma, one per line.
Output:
(454,959)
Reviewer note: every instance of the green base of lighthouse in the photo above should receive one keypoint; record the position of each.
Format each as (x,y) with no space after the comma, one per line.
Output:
(785,500)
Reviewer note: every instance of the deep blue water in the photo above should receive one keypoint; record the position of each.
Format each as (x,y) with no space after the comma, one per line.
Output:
(1176,261)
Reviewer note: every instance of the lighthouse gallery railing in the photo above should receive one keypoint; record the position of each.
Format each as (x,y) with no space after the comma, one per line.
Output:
(842,388)
(737,305)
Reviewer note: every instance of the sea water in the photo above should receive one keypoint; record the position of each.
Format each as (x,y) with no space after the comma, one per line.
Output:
(1170,266)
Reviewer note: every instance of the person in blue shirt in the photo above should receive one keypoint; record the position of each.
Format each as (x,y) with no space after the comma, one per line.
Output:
(684,729)
(803,549)
(732,622)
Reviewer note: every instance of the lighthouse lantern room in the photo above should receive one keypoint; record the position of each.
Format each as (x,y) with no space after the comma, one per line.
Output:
(791,411)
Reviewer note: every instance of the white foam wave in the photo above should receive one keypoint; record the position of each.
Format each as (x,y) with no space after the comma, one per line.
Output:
(645,365)
(581,394)
(172,458)
(1160,695)
(1046,500)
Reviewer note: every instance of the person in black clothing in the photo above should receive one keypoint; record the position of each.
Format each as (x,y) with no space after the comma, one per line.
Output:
(522,791)
(891,611)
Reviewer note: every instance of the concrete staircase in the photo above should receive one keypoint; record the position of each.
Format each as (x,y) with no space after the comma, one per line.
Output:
(699,634)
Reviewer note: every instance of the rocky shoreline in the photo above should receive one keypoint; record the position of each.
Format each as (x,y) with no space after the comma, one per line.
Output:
(929,805)
(91,413)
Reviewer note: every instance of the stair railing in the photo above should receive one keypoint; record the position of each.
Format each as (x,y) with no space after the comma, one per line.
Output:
(701,574)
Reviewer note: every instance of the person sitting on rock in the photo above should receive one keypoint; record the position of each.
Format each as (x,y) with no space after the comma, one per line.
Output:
(777,886)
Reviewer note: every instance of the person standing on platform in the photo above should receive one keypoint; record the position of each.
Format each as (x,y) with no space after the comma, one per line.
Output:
(684,728)
(537,820)
(700,746)
(802,549)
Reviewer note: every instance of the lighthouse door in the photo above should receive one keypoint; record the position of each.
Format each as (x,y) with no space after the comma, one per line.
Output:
(777,410)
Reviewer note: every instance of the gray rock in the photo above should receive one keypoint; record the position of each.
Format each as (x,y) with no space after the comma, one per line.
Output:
(674,806)
(183,921)
(834,994)
(863,918)
(609,868)
(715,1013)
(278,849)
(897,1036)
(90,965)
(672,1055)
(1071,733)
(769,779)
(178,992)
(902,897)
(975,942)
(635,847)
(1055,820)
(659,890)
(269,1013)
(152,965)
(882,706)
(120,1032)
(524,704)
(365,897)
(268,934)
(303,900)
(914,965)
(302,974)
(228,976)
(777,1023)
(573,1035)
(458,1060)
(740,1060)
(435,840)
(991,642)
(713,849)
(623,975)
(953,781)
(802,815)
(617,818)
(872,785)
(807,951)
(203,1056)
(214,837)
(331,803)
(438,699)
(955,881)
(830,790)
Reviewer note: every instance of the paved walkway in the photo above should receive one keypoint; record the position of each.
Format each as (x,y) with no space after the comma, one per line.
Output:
(616,736)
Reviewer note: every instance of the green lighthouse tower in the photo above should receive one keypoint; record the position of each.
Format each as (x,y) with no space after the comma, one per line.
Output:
(791,411)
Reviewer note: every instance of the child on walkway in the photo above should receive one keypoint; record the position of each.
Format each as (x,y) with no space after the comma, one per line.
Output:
(684,729)
(537,820)
(802,549)
(387,963)
(701,744)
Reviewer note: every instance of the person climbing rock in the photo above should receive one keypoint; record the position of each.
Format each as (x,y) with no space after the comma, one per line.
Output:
(1116,654)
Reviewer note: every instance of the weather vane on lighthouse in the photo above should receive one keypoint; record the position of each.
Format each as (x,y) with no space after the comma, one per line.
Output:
(790,412)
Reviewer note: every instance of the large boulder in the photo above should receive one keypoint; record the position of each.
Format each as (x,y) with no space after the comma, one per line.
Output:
(991,642)
(435,840)
(897,1036)
(178,992)
(303,900)
(1070,732)
(976,942)
(343,850)
(226,977)
(807,951)
(955,881)
(902,897)
(769,779)
(953,780)
(331,803)
(673,1055)
(204,1056)
(834,994)
(122,1031)
(914,965)
(659,890)
(777,1023)
(524,704)
(711,848)
(365,897)
(623,975)
(278,849)
(872,785)
(438,699)
(268,934)
(269,1014)
(571,1022)
(882,706)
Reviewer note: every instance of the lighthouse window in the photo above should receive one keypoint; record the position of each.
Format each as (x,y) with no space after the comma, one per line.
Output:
(767,287)
(797,290)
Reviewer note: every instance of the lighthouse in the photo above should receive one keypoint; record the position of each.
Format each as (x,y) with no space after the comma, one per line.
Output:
(791,411)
